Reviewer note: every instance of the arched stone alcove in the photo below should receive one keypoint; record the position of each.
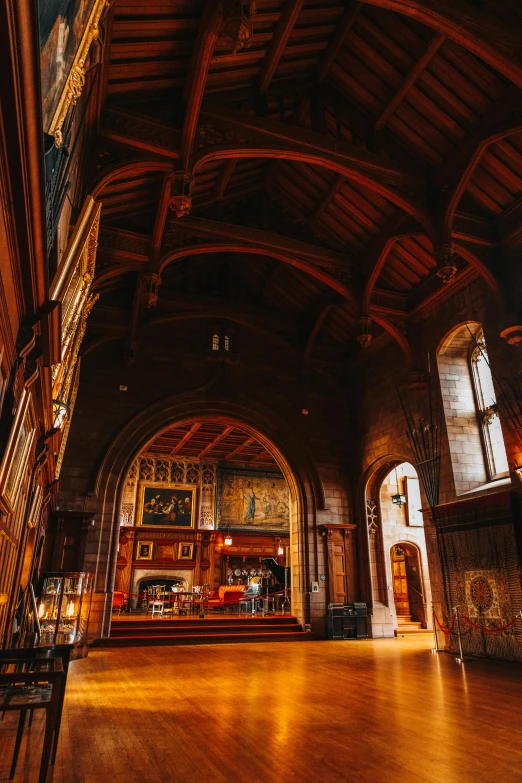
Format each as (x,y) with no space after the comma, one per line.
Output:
(288,450)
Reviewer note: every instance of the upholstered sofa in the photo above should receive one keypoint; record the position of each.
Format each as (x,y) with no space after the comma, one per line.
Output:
(227,595)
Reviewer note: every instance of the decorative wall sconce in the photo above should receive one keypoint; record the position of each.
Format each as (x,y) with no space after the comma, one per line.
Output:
(60,414)
(518,470)
(228,540)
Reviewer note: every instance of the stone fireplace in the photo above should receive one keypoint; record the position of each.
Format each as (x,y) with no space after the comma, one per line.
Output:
(185,575)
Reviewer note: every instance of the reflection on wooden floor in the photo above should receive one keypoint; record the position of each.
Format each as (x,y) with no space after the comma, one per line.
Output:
(368,712)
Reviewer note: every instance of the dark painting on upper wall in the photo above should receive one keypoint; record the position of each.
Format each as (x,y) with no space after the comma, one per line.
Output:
(166,505)
(62,27)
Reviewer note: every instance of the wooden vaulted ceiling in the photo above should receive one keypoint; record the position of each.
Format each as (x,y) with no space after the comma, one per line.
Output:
(330,159)
(208,440)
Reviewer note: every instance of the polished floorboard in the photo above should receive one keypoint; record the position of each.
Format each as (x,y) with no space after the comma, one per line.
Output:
(383,711)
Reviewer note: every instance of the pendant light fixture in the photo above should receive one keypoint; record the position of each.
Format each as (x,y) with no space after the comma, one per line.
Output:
(398,498)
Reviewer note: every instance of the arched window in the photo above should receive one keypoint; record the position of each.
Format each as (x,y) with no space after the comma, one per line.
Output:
(215,342)
(227,342)
(487,410)
(474,430)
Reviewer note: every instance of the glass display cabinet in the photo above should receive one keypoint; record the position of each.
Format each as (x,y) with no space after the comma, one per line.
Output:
(64,607)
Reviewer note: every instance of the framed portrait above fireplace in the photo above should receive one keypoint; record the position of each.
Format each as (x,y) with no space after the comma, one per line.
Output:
(185,551)
(166,505)
(144,550)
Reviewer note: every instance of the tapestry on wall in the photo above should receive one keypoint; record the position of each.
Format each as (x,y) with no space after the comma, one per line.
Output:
(252,499)
(481,565)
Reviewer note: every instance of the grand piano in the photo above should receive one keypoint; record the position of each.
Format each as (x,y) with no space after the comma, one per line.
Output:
(258,586)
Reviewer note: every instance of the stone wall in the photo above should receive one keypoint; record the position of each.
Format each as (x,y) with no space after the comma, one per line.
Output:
(381,424)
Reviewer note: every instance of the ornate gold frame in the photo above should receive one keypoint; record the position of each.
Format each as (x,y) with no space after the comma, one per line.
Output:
(139,544)
(16,453)
(71,287)
(143,485)
(76,79)
(190,556)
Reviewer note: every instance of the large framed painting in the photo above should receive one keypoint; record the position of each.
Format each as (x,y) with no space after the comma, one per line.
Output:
(67,29)
(166,505)
(252,499)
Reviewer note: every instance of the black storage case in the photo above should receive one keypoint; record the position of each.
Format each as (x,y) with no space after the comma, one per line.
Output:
(347,621)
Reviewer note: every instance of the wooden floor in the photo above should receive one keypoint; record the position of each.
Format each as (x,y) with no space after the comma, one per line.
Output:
(381,712)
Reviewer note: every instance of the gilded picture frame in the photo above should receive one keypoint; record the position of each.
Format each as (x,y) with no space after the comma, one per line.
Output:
(185,550)
(36,506)
(67,30)
(16,454)
(144,550)
(166,505)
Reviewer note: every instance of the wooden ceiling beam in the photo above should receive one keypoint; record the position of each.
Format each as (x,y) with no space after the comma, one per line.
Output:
(140,133)
(323,309)
(479,31)
(358,120)
(278,42)
(209,30)
(280,140)
(509,225)
(502,120)
(476,230)
(378,252)
(185,439)
(338,39)
(261,457)
(332,192)
(269,242)
(223,178)
(159,223)
(222,435)
(239,448)
(240,193)
(409,80)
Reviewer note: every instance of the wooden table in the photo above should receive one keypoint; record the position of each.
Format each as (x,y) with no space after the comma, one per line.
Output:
(196,601)
(31,684)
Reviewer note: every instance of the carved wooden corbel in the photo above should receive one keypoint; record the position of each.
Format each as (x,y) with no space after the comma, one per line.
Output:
(237,27)
(364,336)
(151,283)
(445,258)
(180,201)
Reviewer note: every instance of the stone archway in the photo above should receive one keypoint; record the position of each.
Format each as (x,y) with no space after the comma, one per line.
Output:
(291,455)
(407,569)
(377,558)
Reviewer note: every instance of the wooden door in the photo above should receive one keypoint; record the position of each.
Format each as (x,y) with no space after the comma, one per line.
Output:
(338,572)
(341,563)
(400,581)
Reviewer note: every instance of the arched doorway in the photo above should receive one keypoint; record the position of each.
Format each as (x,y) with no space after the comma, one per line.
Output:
(407,585)
(290,455)
(398,557)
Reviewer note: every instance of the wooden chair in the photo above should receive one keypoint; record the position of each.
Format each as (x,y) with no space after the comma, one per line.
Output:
(157,607)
